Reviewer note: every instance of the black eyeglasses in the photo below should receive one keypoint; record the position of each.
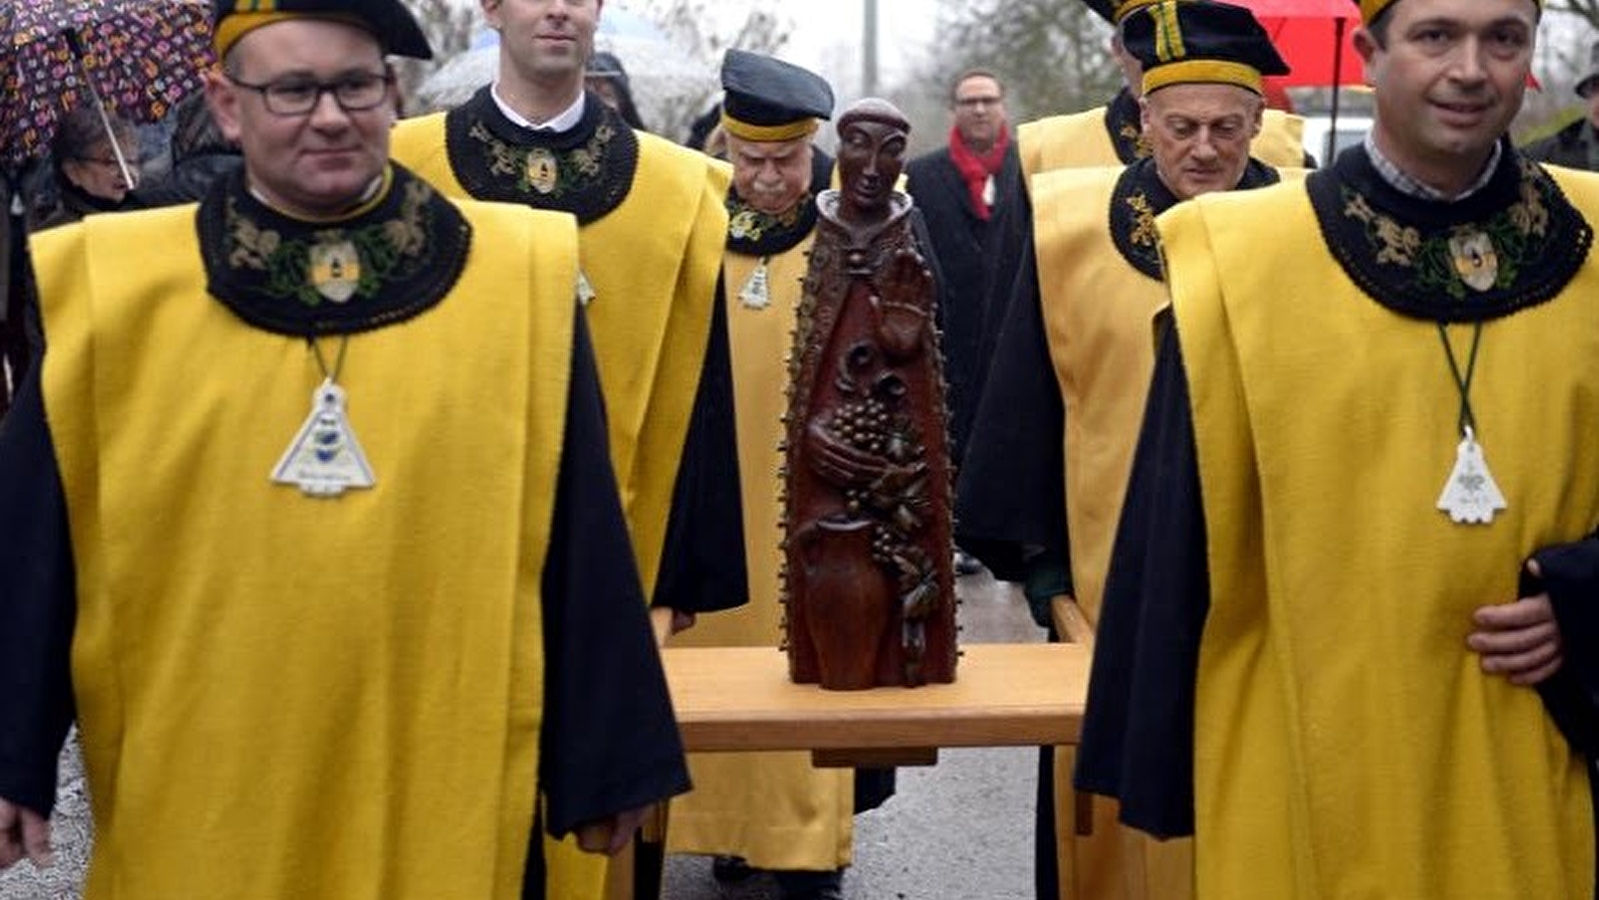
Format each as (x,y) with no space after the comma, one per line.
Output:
(295,96)
(974,102)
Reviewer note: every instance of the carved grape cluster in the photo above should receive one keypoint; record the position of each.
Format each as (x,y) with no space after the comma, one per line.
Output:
(863,424)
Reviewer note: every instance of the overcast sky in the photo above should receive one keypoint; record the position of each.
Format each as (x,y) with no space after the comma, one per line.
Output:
(825,35)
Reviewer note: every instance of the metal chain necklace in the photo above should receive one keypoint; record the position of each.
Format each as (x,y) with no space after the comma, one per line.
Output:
(325,459)
(1470,496)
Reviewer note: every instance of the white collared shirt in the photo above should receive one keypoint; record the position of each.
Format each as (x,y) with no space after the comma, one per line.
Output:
(566,121)
(1404,183)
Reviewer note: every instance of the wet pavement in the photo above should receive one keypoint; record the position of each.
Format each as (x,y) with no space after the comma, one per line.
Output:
(960,830)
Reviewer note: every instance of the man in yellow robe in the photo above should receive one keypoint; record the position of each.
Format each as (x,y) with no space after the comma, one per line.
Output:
(1360,525)
(306,520)
(1109,135)
(1062,406)
(769,811)
(1112,134)
(651,230)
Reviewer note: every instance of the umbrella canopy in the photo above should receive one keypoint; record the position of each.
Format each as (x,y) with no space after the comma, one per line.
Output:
(138,57)
(657,70)
(1313,37)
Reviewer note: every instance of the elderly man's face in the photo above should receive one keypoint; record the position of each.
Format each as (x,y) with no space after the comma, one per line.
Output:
(871,155)
(772,176)
(1199,135)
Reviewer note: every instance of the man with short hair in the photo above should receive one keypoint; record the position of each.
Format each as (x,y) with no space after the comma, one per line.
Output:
(1062,405)
(1360,525)
(1108,135)
(651,231)
(1577,144)
(366,646)
(955,189)
(652,226)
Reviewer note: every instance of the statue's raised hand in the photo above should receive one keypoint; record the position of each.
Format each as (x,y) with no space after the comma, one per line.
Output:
(900,305)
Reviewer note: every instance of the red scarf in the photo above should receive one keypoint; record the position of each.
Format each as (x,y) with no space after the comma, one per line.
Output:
(978,168)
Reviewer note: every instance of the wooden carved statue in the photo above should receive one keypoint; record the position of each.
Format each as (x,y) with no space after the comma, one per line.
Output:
(869,585)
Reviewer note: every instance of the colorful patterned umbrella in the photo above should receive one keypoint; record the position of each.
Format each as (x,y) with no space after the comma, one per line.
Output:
(140,58)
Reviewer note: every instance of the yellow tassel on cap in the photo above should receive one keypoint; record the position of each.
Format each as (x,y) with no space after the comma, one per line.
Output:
(1127,6)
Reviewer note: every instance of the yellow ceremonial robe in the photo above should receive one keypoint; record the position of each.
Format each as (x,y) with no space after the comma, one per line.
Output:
(288,697)
(1347,743)
(652,263)
(774,809)
(1097,310)
(1079,139)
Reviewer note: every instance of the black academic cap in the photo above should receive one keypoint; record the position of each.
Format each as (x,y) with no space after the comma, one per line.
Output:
(1182,42)
(767,99)
(388,20)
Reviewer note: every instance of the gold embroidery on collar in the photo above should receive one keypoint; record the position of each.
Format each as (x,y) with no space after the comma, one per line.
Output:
(331,263)
(745,222)
(540,170)
(1143,232)
(1477,256)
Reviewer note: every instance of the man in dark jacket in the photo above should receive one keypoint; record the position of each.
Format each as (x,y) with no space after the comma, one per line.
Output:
(953,186)
(1577,144)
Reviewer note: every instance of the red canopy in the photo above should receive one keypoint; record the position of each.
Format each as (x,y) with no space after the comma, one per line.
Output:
(1313,37)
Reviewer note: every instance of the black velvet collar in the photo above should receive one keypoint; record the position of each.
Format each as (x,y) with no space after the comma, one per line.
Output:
(755,233)
(586,171)
(1140,196)
(390,263)
(1124,124)
(1514,244)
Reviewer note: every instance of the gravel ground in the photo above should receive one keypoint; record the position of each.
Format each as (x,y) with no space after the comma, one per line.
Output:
(71,833)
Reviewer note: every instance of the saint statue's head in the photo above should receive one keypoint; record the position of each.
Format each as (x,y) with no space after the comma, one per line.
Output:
(872,137)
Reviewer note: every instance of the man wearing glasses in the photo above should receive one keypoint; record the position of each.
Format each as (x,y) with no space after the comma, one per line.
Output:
(308,522)
(954,187)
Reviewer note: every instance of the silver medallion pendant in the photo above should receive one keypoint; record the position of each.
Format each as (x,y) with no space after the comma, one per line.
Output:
(1471,496)
(756,293)
(325,459)
(585,290)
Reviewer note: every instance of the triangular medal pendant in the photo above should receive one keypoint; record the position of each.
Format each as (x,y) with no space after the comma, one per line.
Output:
(756,294)
(585,291)
(1471,496)
(325,459)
